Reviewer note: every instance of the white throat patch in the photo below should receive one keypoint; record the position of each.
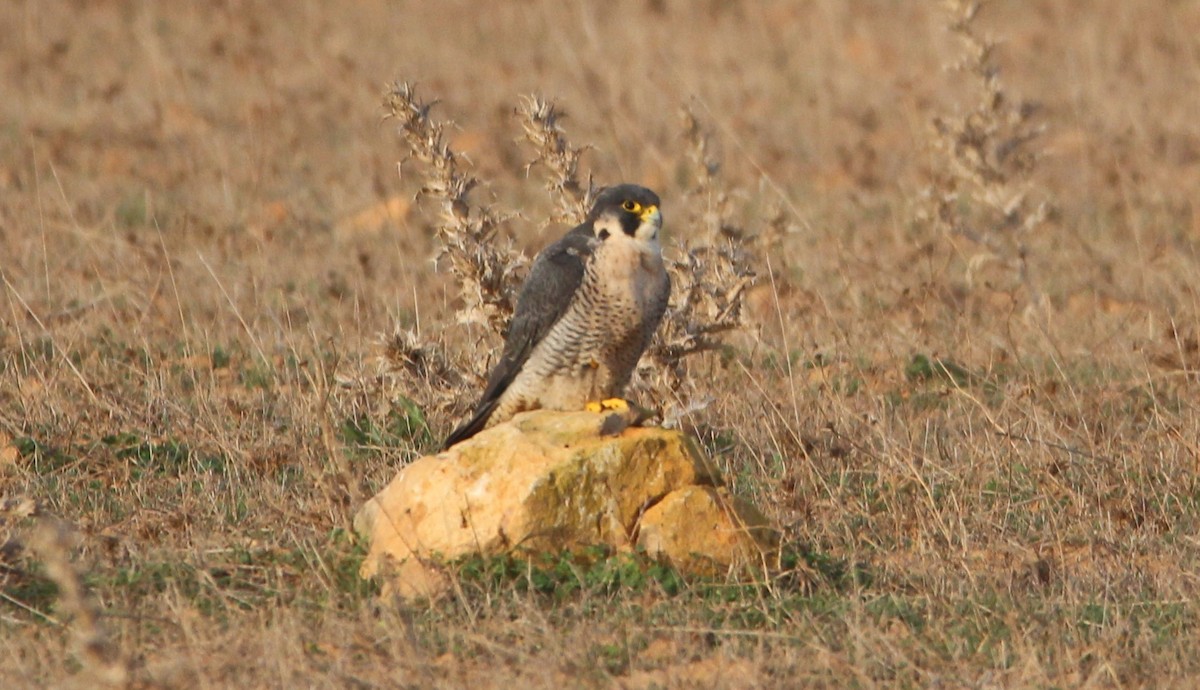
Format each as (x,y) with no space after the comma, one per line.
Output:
(608,229)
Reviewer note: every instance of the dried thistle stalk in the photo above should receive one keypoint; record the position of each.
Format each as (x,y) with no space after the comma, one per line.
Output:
(712,272)
(983,189)
(103,663)
(441,382)
(486,272)
(539,119)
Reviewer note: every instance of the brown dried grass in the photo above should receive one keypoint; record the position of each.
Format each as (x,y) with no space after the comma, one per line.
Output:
(188,353)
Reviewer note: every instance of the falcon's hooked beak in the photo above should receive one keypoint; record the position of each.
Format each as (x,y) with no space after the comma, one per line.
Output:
(651,224)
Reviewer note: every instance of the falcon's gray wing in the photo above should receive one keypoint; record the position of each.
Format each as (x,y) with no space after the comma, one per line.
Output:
(552,283)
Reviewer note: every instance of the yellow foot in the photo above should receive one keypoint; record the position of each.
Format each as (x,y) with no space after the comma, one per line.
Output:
(610,405)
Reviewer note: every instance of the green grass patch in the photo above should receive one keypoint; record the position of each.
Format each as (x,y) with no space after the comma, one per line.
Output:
(404,426)
(43,458)
(169,457)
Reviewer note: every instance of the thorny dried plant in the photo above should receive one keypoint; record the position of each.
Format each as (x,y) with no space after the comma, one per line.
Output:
(104,665)
(486,270)
(51,542)
(539,118)
(710,273)
(982,190)
(488,273)
(438,381)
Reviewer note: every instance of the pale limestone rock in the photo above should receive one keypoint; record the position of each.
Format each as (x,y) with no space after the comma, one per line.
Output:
(548,481)
(706,530)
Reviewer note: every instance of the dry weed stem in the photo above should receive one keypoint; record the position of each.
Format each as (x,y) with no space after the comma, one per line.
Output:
(983,190)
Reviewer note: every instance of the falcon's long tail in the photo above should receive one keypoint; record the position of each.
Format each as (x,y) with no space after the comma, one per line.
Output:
(472,426)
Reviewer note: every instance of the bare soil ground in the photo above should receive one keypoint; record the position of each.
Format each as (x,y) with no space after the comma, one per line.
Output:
(982,442)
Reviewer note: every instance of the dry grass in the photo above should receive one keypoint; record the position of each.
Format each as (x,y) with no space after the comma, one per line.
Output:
(205,233)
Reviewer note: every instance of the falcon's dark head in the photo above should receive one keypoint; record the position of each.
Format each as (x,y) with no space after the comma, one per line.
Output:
(626,209)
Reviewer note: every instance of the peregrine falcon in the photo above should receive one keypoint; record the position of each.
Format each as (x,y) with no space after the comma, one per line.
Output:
(584,316)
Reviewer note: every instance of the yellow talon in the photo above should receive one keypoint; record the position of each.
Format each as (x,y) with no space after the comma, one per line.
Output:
(611,404)
(616,405)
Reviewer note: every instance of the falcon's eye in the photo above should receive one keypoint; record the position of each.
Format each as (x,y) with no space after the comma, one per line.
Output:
(631,206)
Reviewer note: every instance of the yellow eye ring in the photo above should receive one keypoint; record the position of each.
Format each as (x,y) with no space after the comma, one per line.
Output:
(631,206)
